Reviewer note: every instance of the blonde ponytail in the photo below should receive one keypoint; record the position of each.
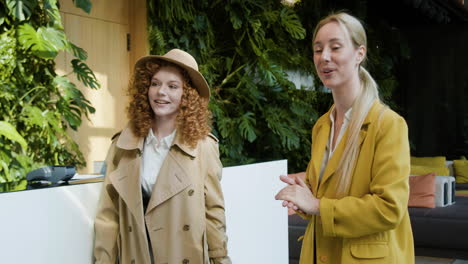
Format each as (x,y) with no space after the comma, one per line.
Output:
(361,106)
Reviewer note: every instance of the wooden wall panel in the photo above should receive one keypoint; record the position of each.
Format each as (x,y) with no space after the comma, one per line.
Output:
(109,10)
(106,44)
(139,31)
(103,34)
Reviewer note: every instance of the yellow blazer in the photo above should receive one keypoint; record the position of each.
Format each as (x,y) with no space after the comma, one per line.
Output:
(371,224)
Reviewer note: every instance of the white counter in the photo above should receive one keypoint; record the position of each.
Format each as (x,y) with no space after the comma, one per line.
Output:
(55,225)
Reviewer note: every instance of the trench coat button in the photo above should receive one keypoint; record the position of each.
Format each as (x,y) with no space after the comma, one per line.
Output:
(129,228)
(186,227)
(190,192)
(185,261)
(323,258)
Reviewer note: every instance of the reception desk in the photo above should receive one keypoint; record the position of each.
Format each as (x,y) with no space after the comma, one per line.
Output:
(48,225)
(54,225)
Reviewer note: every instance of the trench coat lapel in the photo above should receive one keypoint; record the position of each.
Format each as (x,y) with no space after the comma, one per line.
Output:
(126,180)
(172,178)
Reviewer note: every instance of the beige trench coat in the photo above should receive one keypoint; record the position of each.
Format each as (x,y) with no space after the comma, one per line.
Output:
(185,215)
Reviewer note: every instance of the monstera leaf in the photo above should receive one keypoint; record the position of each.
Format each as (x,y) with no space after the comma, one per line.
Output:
(2,16)
(84,74)
(85,5)
(46,42)
(72,103)
(292,24)
(21,9)
(53,13)
(10,132)
(78,52)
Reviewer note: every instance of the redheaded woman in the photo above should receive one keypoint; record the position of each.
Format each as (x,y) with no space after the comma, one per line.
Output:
(162,201)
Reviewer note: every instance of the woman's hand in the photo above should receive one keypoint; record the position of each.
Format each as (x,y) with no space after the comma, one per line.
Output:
(298,196)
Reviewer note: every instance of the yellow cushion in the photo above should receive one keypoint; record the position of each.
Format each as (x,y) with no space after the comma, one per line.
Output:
(461,170)
(438,161)
(421,170)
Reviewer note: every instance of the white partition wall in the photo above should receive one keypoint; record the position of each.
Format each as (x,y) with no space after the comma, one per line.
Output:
(257,224)
(55,225)
(48,226)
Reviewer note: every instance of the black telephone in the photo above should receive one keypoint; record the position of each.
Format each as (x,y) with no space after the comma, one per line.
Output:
(52,174)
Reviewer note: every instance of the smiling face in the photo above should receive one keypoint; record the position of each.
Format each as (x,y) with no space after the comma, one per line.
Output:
(165,93)
(336,59)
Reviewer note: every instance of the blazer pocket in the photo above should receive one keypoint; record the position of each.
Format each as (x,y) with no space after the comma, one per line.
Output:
(373,250)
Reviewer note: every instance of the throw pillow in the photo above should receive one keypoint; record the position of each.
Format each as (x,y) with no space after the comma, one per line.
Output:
(438,161)
(422,190)
(420,170)
(461,170)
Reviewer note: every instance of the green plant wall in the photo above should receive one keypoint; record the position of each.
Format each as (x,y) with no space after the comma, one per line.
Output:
(245,49)
(37,106)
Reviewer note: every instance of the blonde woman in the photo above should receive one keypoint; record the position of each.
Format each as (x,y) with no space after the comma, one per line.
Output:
(162,201)
(356,188)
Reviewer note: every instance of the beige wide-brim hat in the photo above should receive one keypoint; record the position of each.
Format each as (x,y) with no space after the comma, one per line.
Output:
(186,62)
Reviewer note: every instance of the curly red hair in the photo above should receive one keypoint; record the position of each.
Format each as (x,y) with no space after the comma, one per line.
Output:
(193,119)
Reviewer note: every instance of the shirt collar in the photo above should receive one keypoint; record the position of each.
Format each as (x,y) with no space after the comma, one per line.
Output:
(347,115)
(166,141)
(129,141)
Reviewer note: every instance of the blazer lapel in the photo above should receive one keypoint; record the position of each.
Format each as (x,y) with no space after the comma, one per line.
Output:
(333,163)
(172,179)
(318,151)
(336,157)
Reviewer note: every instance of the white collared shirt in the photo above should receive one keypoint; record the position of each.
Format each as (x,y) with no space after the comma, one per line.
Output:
(329,151)
(154,154)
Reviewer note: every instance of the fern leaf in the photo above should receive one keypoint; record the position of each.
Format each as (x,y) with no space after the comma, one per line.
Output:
(153,31)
